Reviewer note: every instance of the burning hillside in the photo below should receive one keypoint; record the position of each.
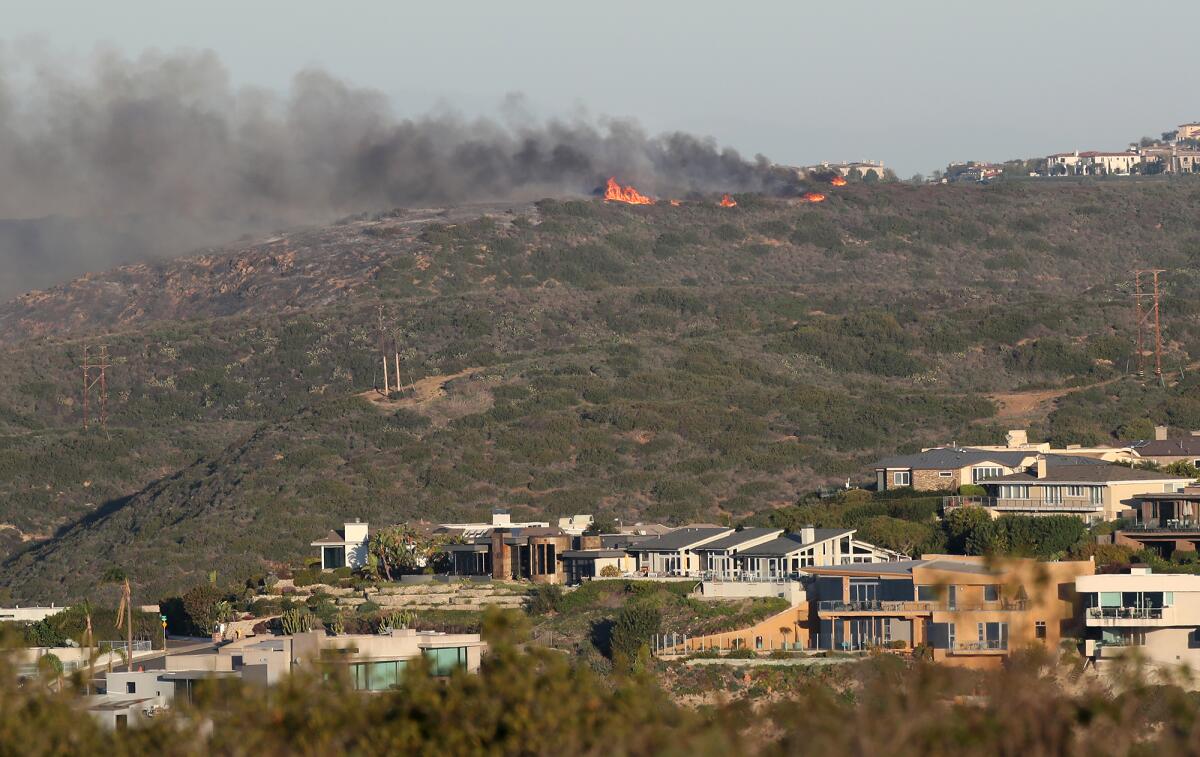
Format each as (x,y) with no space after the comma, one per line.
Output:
(614,192)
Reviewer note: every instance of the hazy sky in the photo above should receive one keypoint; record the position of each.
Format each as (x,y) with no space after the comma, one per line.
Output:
(914,83)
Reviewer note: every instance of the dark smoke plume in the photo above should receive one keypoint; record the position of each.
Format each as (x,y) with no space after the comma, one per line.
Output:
(151,157)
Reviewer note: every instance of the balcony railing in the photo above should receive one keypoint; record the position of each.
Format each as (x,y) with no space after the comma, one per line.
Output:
(1170,525)
(1126,613)
(836,605)
(1031,503)
(1013,605)
(988,645)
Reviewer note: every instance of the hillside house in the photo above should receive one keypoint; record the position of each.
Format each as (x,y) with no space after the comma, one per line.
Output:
(346,548)
(1164,450)
(1093,492)
(1155,615)
(948,468)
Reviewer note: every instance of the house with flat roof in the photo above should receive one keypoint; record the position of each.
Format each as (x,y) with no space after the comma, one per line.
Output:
(370,662)
(1153,616)
(965,610)
(1093,492)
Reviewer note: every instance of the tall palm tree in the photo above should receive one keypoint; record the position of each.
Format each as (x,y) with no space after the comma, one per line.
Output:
(125,612)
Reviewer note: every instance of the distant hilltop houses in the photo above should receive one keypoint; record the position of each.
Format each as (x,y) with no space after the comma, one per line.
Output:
(1175,152)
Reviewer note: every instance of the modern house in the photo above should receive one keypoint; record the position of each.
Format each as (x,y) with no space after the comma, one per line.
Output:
(1093,492)
(1166,522)
(963,609)
(675,554)
(719,557)
(501,518)
(33,614)
(370,663)
(346,548)
(1153,616)
(789,554)
(513,554)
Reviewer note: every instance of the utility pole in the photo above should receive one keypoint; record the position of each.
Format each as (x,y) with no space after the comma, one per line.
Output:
(1142,315)
(383,353)
(95,376)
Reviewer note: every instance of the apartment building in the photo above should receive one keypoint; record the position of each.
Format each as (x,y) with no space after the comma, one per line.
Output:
(963,609)
(1155,617)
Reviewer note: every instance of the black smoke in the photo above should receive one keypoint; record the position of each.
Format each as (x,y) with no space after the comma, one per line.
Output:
(127,159)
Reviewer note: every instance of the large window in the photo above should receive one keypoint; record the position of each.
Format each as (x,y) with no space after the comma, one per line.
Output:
(991,593)
(443,662)
(902,478)
(1096,495)
(1014,491)
(984,471)
(376,676)
(333,558)
(1053,495)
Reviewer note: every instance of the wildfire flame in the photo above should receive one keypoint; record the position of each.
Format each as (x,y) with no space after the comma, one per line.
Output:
(813,197)
(728,202)
(838,181)
(614,192)
(677,203)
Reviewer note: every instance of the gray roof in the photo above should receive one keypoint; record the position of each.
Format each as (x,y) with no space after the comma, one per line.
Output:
(789,543)
(680,538)
(737,538)
(942,458)
(960,566)
(333,538)
(591,554)
(1187,446)
(1086,474)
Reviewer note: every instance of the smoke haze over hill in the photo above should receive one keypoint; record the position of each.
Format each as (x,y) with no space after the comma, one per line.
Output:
(134,159)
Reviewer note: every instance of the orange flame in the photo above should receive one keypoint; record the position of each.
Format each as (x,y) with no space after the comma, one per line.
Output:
(677,203)
(838,181)
(813,197)
(616,193)
(728,202)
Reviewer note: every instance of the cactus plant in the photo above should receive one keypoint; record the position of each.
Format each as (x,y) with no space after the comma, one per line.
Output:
(336,625)
(295,620)
(396,620)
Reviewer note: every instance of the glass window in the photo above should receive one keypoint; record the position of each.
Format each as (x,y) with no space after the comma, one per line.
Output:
(902,478)
(982,472)
(1052,494)
(376,676)
(927,593)
(442,662)
(1110,599)
(1096,495)
(991,593)
(1074,491)
(1039,629)
(946,474)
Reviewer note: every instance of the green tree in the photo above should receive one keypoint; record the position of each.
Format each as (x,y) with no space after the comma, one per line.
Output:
(402,549)
(633,629)
(960,524)
(895,534)
(200,608)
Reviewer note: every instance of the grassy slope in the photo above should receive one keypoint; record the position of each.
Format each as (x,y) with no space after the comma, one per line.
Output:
(665,363)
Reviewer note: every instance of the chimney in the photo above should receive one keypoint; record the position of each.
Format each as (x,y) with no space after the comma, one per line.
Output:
(1160,433)
(1017,438)
(1041,466)
(808,535)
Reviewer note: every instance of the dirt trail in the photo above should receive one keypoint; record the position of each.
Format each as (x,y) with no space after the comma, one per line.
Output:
(422,392)
(1036,401)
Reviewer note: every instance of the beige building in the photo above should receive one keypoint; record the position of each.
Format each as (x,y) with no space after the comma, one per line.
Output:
(1164,450)
(1093,492)
(370,663)
(1188,131)
(964,610)
(1153,616)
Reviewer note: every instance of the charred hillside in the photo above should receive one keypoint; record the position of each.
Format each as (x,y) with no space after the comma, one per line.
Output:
(660,361)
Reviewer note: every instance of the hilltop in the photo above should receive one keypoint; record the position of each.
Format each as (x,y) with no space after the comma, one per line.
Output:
(654,362)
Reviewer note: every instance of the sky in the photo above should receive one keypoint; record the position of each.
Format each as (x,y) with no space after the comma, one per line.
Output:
(915,83)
